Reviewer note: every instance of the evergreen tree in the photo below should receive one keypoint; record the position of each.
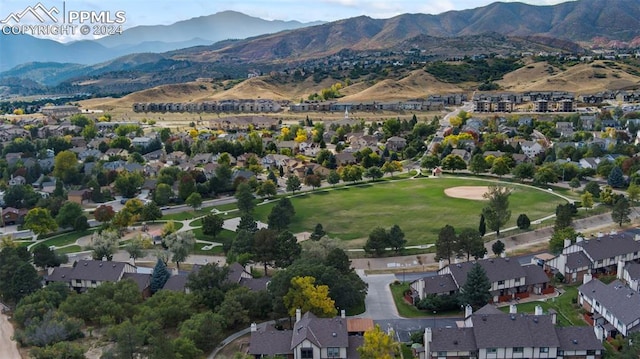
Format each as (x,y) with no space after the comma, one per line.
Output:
(475,291)
(497,247)
(523,221)
(396,238)
(159,276)
(246,202)
(497,212)
(446,244)
(616,178)
(482,227)
(621,211)
(318,232)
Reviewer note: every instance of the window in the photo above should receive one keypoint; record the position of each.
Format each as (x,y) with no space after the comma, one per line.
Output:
(544,349)
(518,350)
(591,352)
(306,353)
(560,352)
(491,350)
(333,352)
(500,282)
(517,280)
(442,354)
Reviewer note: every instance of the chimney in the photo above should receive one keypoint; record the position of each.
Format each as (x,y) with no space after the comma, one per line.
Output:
(503,254)
(174,271)
(254,327)
(428,338)
(468,311)
(513,309)
(579,239)
(441,264)
(554,316)
(456,260)
(586,278)
(343,314)
(567,243)
(620,273)
(538,310)
(298,315)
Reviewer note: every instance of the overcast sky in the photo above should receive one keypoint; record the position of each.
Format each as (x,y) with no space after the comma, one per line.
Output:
(144,12)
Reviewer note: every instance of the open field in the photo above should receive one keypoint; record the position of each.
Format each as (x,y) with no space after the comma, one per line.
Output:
(419,206)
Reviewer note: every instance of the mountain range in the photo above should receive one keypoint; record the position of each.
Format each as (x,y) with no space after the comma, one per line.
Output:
(203,30)
(229,44)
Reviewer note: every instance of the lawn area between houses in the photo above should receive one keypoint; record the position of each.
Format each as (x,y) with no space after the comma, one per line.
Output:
(419,206)
(407,310)
(568,312)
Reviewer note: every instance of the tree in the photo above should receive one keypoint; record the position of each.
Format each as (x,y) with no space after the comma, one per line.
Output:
(209,284)
(287,249)
(305,295)
(430,162)
(477,164)
(129,340)
(44,257)
(180,244)
(293,183)
(500,166)
(446,244)
(64,350)
(556,243)
(159,276)
(545,174)
(616,178)
(194,200)
(587,200)
(633,192)
(377,242)
(186,186)
(267,188)
(379,345)
(475,291)
(134,248)
(396,239)
(453,162)
(39,220)
(333,178)
(524,171)
(523,221)
(104,244)
(104,213)
(470,244)
(204,329)
(81,223)
(264,246)
(68,213)
(593,188)
(318,232)
(123,219)
(391,167)
(65,166)
(497,247)
(150,212)
(162,194)
(497,212)
(246,201)
(128,183)
(564,215)
(212,225)
(373,172)
(313,181)
(574,183)
(482,227)
(621,211)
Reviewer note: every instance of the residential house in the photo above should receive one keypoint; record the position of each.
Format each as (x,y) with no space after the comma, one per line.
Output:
(274,161)
(79,196)
(142,142)
(614,307)
(345,158)
(464,154)
(242,276)
(509,279)
(490,333)
(12,215)
(17,181)
(87,274)
(311,337)
(396,143)
(631,275)
(596,255)
(531,148)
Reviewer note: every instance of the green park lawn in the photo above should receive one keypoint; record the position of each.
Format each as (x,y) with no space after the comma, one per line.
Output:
(418,206)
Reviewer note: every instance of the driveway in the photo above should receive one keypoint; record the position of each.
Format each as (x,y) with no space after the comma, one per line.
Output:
(379,301)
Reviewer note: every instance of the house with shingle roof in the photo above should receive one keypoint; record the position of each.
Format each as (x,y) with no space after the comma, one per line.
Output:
(508,279)
(615,307)
(89,273)
(311,337)
(490,333)
(596,255)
